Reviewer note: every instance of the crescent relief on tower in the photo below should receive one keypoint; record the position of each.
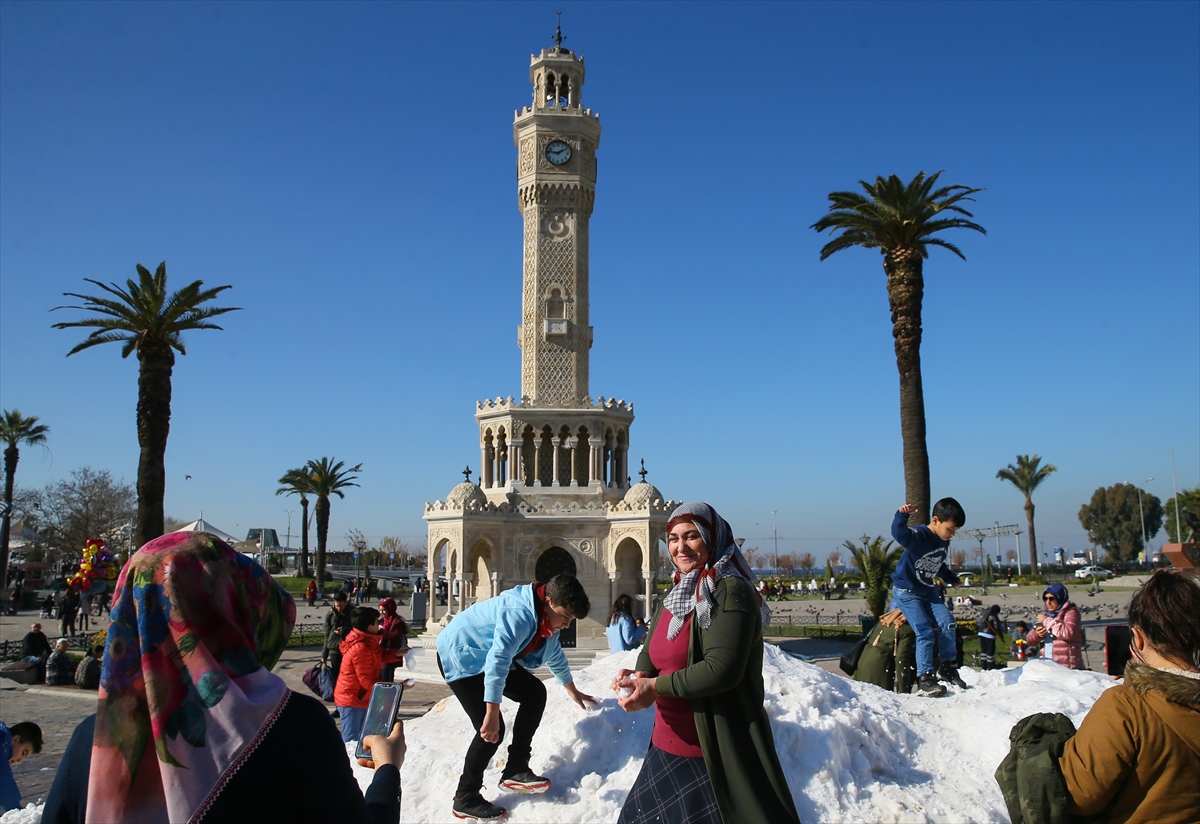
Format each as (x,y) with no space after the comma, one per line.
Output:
(558,225)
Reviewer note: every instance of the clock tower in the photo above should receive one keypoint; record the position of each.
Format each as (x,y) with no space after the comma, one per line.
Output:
(553,491)
(556,141)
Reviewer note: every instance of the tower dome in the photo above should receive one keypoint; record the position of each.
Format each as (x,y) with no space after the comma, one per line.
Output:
(466,493)
(641,494)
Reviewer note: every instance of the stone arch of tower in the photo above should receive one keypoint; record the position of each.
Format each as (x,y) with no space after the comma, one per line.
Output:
(481,563)
(553,560)
(629,562)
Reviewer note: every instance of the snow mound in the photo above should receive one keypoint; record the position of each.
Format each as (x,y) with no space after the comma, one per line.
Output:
(851,751)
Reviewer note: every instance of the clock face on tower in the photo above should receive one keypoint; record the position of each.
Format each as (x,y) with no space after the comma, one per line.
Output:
(558,152)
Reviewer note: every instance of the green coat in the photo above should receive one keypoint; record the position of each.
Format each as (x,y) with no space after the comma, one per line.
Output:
(724,681)
(887,645)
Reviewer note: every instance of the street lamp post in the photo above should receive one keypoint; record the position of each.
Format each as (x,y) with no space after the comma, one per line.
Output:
(1142,517)
(775,532)
(288,543)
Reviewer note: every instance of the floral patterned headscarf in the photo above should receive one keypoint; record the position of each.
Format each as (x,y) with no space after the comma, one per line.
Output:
(186,688)
(694,591)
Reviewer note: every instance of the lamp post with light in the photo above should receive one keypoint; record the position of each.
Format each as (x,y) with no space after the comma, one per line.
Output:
(1142,517)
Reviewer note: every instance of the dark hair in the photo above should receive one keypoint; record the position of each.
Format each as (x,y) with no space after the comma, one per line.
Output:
(622,606)
(566,591)
(363,617)
(30,733)
(950,511)
(1022,625)
(97,649)
(341,595)
(1160,609)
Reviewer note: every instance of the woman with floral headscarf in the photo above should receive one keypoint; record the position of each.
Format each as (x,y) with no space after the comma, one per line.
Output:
(712,756)
(191,724)
(393,631)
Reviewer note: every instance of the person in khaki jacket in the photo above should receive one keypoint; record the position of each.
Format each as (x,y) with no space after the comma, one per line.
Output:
(1136,756)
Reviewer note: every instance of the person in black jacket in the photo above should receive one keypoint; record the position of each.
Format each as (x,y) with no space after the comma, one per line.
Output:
(35,644)
(337,629)
(211,729)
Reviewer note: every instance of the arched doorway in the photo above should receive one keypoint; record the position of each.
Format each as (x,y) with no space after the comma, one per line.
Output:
(557,561)
(629,573)
(480,571)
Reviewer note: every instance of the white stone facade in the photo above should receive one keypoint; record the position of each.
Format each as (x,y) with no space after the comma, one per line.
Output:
(554,490)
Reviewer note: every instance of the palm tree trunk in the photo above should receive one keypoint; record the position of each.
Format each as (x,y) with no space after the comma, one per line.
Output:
(153,425)
(304,570)
(1033,561)
(322,508)
(905,294)
(11,456)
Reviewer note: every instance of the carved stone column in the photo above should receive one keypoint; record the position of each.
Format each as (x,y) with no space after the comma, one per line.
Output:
(648,581)
(612,587)
(573,444)
(515,473)
(485,467)
(537,461)
(595,468)
(555,441)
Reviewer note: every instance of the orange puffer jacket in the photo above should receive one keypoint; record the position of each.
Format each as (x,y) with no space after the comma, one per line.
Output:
(362,659)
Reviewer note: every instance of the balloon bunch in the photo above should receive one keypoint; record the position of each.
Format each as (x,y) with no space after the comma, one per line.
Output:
(96,569)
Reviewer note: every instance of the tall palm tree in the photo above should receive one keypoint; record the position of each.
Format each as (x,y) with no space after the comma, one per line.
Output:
(900,220)
(328,478)
(149,321)
(15,429)
(1026,476)
(877,562)
(299,482)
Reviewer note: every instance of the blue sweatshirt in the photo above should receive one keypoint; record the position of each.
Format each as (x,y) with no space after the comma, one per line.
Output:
(923,559)
(10,796)
(487,637)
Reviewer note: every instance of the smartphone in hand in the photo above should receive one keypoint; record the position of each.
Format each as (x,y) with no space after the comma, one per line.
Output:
(382,712)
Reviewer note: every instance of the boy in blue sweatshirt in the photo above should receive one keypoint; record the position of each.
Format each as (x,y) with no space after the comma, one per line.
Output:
(16,744)
(486,653)
(914,592)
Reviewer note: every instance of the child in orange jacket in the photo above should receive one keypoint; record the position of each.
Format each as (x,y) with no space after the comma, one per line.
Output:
(362,658)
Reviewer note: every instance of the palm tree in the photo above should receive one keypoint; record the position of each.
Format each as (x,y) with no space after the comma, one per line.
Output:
(1026,476)
(148,321)
(877,563)
(15,429)
(900,221)
(328,478)
(299,482)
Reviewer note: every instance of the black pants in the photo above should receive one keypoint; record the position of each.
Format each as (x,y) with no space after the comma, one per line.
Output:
(987,653)
(523,687)
(335,663)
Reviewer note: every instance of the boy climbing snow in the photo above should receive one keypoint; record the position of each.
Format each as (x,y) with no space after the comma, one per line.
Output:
(914,592)
(487,652)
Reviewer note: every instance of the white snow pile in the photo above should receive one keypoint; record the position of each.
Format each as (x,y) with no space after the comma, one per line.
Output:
(851,751)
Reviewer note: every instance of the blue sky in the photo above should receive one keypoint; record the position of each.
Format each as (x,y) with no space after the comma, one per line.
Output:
(349,169)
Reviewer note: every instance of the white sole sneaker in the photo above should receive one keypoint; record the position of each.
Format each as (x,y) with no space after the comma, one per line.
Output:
(528,788)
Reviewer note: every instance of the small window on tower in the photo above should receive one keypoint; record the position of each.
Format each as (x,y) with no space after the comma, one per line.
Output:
(556,323)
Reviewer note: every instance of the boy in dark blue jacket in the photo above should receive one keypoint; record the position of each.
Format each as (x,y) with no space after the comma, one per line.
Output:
(914,592)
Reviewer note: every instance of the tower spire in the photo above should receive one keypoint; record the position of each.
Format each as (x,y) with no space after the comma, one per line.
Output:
(558,35)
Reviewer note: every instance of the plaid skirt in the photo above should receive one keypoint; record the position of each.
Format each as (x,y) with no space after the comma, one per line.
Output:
(671,789)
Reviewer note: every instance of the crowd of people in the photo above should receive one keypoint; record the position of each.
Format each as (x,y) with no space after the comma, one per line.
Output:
(191,722)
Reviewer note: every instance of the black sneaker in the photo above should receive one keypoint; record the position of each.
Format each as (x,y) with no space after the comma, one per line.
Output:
(928,686)
(524,781)
(948,672)
(475,808)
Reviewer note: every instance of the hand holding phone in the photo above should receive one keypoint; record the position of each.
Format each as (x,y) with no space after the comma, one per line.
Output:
(382,712)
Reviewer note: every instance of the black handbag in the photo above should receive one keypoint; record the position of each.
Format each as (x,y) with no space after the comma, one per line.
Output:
(849,660)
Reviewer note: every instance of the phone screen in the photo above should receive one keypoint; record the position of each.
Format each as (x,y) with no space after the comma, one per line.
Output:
(1116,648)
(381,713)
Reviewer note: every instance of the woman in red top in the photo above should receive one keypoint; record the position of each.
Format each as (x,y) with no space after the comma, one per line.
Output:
(712,756)
(362,659)
(394,631)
